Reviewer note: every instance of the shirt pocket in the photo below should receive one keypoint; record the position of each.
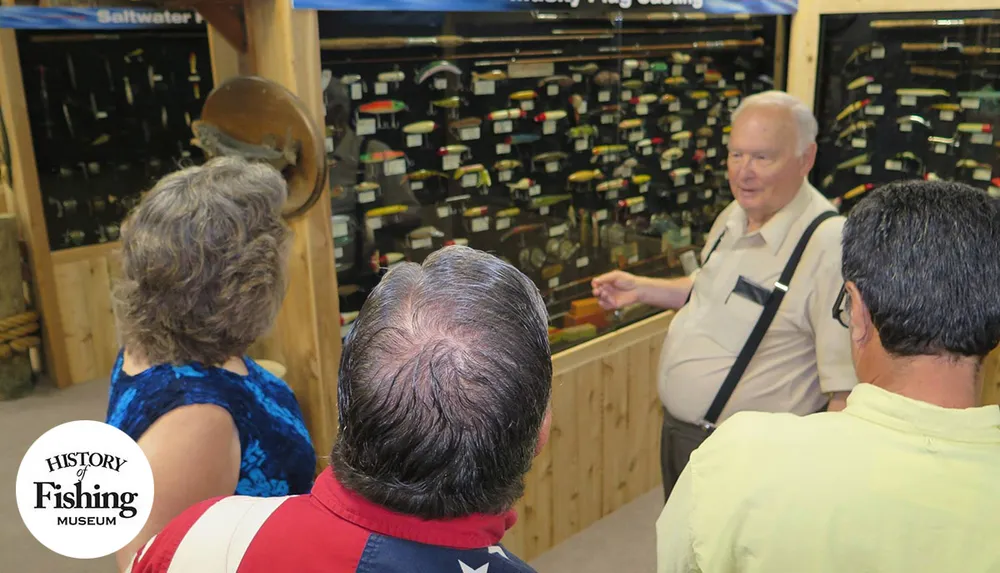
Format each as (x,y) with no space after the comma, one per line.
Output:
(730,324)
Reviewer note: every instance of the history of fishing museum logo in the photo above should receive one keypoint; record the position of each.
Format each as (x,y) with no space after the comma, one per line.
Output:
(84,489)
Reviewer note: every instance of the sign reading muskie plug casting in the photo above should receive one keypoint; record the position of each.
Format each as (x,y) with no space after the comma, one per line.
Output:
(84,489)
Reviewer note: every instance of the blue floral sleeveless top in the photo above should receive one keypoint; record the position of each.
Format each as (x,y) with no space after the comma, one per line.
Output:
(277,453)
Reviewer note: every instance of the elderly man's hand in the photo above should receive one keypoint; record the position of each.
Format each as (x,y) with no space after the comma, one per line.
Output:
(616,289)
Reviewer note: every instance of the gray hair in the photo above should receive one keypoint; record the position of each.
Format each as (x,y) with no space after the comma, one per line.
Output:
(806,126)
(203,263)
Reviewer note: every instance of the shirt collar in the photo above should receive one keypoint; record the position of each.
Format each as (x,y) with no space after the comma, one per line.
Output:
(776,229)
(473,532)
(877,405)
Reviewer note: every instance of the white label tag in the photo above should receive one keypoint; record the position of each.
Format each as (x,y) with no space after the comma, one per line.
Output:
(534,190)
(338,253)
(682,197)
(557,230)
(994,191)
(702,143)
(604,96)
(424,243)
(626,95)
(548,128)
(686,233)
(505,126)
(634,258)
(366,197)
(734,102)
(893,165)
(906,127)
(982,174)
(553,89)
(970,103)
(357,91)
(440,83)
(611,195)
(863,169)
(484,87)
(648,77)
(702,104)
(878,53)
(504,176)
(581,145)
(712,121)
(635,136)
(470,180)
(644,188)
(552,167)
(700,68)
(503,149)
(543,210)
(553,282)
(582,108)
(648,150)
(941,149)
(859,143)
(722,83)
(947,115)
(375,223)
(480,224)
(328,144)
(708,193)
(582,262)
(414,140)
(577,78)
(699,179)
(725,139)
(677,70)
(740,76)
(666,165)
(366,126)
(674,107)
(874,89)
(712,152)
(680,181)
(451,162)
(381,88)
(503,223)
(642,109)
(982,139)
(607,119)
(395,167)
(601,215)
(339,230)
(444,212)
(416,185)
(908,100)
(875,110)
(470,133)
(637,208)
(676,126)
(528,104)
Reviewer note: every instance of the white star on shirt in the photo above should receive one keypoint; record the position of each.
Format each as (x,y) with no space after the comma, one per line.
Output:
(497,549)
(467,569)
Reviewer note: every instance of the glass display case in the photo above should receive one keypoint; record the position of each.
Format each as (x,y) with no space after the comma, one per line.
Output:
(110,113)
(568,144)
(903,96)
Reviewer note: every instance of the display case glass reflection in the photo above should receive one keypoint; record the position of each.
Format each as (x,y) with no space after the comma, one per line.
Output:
(567,145)
(902,96)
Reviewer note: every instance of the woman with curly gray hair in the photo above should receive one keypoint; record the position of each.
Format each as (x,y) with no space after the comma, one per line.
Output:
(203,277)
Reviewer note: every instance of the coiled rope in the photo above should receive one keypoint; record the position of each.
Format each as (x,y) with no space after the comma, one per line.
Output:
(15,334)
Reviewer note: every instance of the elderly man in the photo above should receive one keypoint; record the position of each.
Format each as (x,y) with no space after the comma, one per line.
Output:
(800,360)
(443,393)
(912,458)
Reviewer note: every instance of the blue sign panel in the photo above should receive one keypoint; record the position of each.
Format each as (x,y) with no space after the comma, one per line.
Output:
(34,18)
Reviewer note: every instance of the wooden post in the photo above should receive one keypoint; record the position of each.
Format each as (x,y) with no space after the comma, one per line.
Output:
(15,370)
(283,46)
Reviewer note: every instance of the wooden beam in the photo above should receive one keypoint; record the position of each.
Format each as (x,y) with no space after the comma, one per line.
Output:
(228,21)
(29,208)
(285,47)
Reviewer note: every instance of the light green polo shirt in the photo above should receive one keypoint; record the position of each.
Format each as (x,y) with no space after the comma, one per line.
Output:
(889,485)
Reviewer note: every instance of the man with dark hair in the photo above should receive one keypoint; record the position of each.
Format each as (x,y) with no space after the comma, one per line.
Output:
(443,398)
(909,468)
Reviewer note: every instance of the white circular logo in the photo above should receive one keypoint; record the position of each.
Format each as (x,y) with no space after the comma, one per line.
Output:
(84,489)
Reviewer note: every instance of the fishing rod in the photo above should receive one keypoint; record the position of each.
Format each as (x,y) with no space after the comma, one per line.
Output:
(933,23)
(399,42)
(512,55)
(699,30)
(645,51)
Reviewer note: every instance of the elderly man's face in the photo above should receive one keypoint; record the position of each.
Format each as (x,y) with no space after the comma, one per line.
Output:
(765,170)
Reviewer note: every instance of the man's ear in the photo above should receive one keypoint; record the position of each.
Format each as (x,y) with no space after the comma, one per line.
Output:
(543,432)
(862,328)
(808,159)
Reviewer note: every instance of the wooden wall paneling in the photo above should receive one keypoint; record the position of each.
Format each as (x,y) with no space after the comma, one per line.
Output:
(538,514)
(284,47)
(29,209)
(565,440)
(590,442)
(614,372)
(513,540)
(991,378)
(636,448)
(654,419)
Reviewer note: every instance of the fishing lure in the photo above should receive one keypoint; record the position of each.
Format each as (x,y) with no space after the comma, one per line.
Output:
(420,127)
(437,67)
(946,107)
(456,149)
(705,132)
(630,64)
(649,142)
(562,81)
(382,107)
(522,138)
(675,81)
(520,229)
(862,51)
(522,184)
(425,233)
(859,190)
(854,128)
(390,258)
(447,103)
(860,82)
(465,122)
(506,164)
(913,119)
(922,92)
(698,95)
(476,211)
(630,124)
(981,94)
(933,72)
(548,200)
(581,131)
(641,179)
(680,58)
(668,98)
(680,172)
(392,77)
(974,128)
(423,175)
(380,156)
(552,115)
(492,75)
(712,76)
(503,114)
(350,79)
(632,201)
(588,68)
(855,161)
(384,211)
(644,98)
(732,93)
(850,109)
(585,176)
(366,186)
(523,95)
(672,153)
(467,169)
(633,84)
(681,136)
(511,212)
(606,78)
(613,185)
(550,156)
(659,66)
(609,149)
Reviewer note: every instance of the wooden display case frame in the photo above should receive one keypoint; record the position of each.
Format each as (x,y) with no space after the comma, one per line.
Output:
(803,65)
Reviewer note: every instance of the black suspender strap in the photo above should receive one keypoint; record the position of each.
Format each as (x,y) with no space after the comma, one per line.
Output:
(763,323)
(708,256)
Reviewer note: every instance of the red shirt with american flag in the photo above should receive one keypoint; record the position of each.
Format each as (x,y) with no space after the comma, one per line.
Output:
(330,530)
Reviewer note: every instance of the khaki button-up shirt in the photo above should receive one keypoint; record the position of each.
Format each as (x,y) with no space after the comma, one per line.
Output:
(805,353)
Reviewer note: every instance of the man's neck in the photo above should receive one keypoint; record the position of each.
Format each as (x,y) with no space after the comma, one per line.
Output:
(943,382)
